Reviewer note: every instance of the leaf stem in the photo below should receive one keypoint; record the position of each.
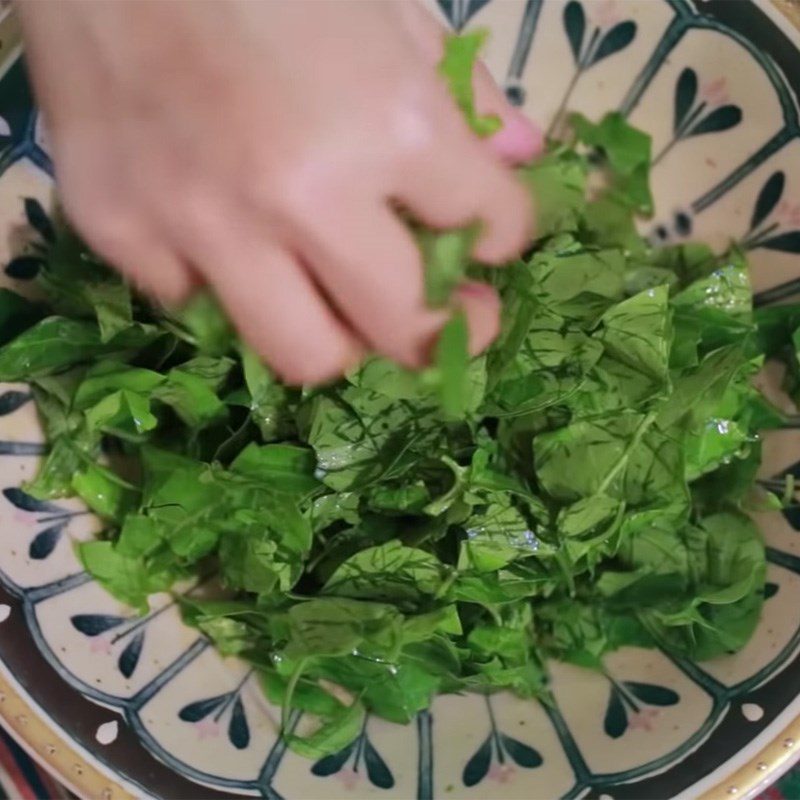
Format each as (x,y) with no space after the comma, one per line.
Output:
(756,237)
(623,459)
(232,695)
(681,133)
(564,100)
(286,705)
(689,120)
(142,621)
(360,743)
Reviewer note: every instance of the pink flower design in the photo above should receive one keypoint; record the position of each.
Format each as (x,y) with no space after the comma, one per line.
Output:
(643,720)
(604,13)
(24,517)
(715,92)
(207,729)
(101,644)
(349,778)
(788,214)
(501,773)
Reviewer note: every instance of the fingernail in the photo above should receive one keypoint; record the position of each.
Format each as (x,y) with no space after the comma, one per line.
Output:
(475,290)
(519,139)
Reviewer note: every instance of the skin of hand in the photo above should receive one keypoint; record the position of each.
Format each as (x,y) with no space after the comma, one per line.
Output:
(265,148)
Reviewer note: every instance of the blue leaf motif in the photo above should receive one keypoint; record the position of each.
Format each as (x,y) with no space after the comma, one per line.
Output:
(478,765)
(785,242)
(792,516)
(194,712)
(720,119)
(575,27)
(378,773)
(652,694)
(17,103)
(770,590)
(129,658)
(25,502)
(330,765)
(45,542)
(23,268)
(238,729)
(12,400)
(95,624)
(460,11)
(616,720)
(685,94)
(769,196)
(618,38)
(683,224)
(523,755)
(39,220)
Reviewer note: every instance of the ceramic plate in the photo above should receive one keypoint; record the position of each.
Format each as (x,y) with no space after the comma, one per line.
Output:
(119,705)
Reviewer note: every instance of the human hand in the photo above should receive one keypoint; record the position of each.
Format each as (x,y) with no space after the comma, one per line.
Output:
(264,148)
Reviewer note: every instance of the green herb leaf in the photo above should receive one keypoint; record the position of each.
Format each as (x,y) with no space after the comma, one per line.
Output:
(456,67)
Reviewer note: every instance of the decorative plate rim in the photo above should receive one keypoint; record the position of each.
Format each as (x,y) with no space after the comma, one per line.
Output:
(50,746)
(781,752)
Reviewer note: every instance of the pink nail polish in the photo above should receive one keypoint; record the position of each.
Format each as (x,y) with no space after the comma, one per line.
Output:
(519,139)
(478,291)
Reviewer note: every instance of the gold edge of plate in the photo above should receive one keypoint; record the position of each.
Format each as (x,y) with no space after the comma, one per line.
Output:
(761,770)
(47,746)
(790,9)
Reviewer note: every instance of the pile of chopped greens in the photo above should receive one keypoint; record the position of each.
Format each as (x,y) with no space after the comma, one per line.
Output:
(577,488)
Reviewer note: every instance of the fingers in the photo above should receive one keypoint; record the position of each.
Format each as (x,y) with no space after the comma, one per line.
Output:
(458,183)
(151,267)
(277,309)
(370,266)
(519,140)
(136,251)
(157,272)
(481,305)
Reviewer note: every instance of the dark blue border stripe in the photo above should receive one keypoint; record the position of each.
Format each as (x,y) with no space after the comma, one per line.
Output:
(708,683)
(425,755)
(767,671)
(783,559)
(670,759)
(274,759)
(673,34)
(522,48)
(776,143)
(150,743)
(684,8)
(39,593)
(147,692)
(271,794)
(87,690)
(22,448)
(576,791)
(576,760)
(780,292)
